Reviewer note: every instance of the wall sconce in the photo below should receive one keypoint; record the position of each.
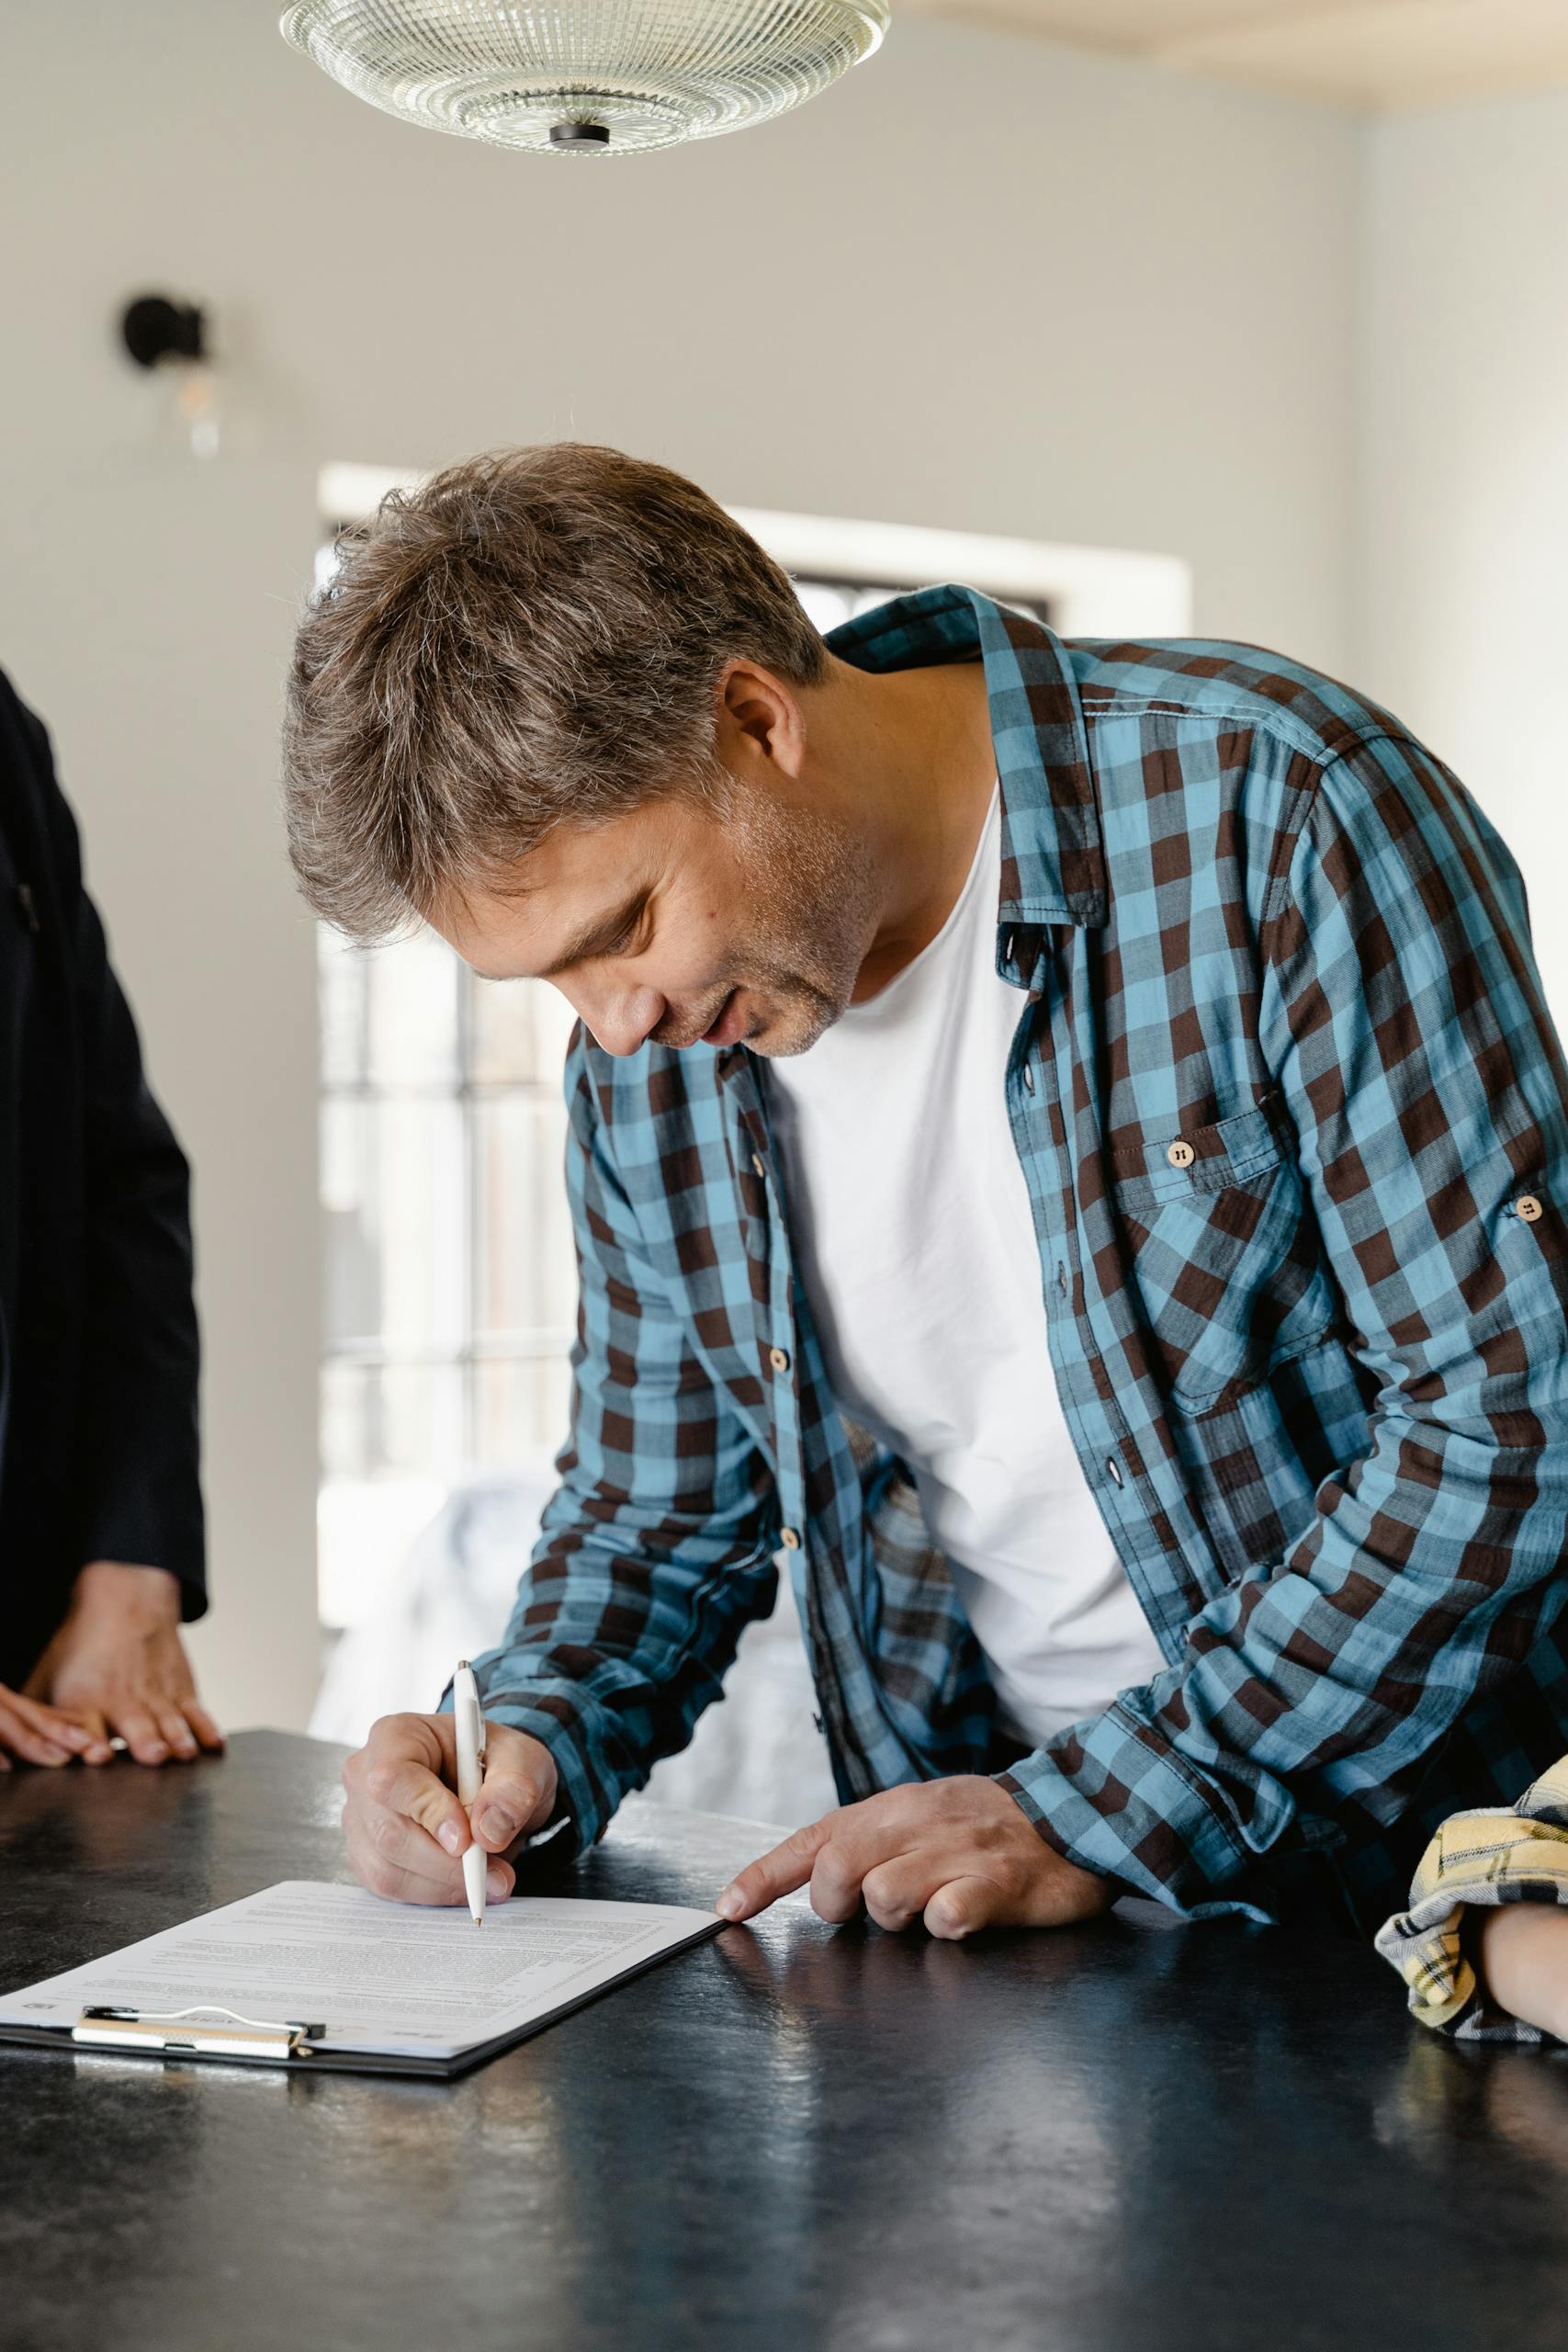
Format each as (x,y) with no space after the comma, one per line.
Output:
(161,333)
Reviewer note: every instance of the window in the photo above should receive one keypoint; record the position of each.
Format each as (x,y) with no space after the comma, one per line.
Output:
(449,1284)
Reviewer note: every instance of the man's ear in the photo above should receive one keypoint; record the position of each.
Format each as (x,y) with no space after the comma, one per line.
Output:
(760,716)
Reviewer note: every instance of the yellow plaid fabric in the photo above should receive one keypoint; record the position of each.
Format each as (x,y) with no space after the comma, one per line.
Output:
(1497,1854)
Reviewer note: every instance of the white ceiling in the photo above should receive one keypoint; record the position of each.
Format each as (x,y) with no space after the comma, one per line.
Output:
(1373,53)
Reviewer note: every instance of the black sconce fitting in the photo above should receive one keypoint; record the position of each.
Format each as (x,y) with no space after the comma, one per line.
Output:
(152,328)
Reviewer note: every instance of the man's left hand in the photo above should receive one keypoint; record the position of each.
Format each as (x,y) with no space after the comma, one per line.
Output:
(958,1853)
(117,1665)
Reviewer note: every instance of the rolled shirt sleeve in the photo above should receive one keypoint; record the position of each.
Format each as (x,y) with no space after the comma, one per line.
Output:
(1478,1861)
(657,1549)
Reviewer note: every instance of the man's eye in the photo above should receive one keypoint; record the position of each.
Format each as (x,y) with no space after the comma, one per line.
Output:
(628,934)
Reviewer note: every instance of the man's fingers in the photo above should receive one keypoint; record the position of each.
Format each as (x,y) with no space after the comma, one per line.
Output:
(403,1846)
(956,1852)
(956,1909)
(510,1803)
(404,1825)
(394,1738)
(835,1854)
(376,1866)
(865,1838)
(386,1879)
(518,1792)
(379,1868)
(400,1785)
(786,1866)
(398,1808)
(898,1891)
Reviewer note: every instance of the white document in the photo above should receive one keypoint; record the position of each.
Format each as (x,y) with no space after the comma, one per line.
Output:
(381,1978)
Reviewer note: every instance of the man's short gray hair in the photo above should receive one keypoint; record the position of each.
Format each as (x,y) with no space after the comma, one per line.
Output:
(533,637)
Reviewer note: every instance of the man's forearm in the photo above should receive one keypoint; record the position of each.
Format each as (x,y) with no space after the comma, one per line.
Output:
(611,1655)
(1289,1717)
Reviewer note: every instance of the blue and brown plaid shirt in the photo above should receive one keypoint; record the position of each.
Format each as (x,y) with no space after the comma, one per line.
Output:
(1293,1117)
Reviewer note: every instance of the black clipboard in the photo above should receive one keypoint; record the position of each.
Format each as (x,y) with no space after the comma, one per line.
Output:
(216,2035)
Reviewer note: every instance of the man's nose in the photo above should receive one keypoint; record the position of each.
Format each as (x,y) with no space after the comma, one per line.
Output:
(619,1022)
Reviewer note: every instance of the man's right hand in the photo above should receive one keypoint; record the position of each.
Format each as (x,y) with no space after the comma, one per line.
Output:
(406,1831)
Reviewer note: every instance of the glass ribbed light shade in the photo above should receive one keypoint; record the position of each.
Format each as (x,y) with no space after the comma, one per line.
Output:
(586,76)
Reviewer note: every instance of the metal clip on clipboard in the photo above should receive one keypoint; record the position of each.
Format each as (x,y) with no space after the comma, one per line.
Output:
(182,2033)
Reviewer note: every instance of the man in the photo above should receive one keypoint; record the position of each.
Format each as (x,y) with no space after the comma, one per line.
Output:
(101,1544)
(1114,1077)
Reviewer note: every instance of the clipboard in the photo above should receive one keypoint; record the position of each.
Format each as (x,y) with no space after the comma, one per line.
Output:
(215,2032)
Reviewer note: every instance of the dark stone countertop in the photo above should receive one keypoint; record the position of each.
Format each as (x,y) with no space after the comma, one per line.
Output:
(1128,2137)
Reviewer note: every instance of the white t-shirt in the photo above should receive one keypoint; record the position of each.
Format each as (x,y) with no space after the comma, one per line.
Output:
(916,1247)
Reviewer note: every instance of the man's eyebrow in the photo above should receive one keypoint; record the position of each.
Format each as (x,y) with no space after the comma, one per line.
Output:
(597,938)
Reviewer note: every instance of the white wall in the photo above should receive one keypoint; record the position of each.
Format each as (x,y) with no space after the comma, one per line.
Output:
(983,283)
(1462,622)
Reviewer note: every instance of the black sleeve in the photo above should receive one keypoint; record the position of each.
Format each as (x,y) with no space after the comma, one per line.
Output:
(136,1460)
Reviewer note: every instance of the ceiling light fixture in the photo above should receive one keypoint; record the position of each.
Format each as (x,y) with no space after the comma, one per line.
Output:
(586,77)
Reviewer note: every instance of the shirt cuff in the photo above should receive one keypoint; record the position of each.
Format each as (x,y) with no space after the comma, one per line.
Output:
(549,1716)
(1493,1855)
(1113,1797)
(139,1540)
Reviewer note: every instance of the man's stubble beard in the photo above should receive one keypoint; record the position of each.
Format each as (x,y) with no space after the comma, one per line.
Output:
(814,901)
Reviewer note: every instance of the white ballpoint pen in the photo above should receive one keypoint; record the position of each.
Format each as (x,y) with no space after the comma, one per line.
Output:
(471,1728)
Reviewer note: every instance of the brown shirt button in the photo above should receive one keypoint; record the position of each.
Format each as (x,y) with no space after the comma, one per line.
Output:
(757,1163)
(789,1539)
(1181,1155)
(1529,1207)
(778,1359)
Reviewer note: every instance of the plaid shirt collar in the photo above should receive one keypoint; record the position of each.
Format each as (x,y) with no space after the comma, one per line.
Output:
(1053,864)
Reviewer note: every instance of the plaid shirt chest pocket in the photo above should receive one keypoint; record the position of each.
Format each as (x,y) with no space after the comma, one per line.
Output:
(1223,1250)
